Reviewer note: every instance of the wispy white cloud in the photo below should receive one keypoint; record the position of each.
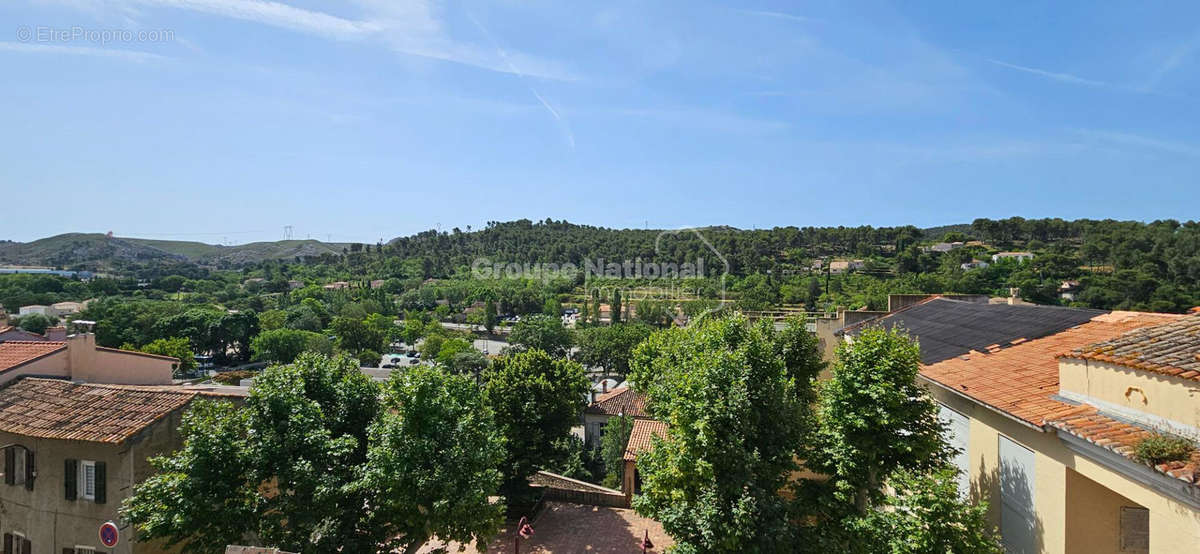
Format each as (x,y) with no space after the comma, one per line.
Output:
(1063,77)
(276,14)
(36,48)
(411,28)
(781,15)
(1181,53)
(694,118)
(566,127)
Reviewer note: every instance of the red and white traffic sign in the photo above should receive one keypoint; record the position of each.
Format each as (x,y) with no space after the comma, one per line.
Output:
(109,534)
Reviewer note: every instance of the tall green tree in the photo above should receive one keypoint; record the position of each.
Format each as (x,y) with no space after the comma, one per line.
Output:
(354,335)
(735,397)
(432,463)
(284,345)
(875,418)
(177,347)
(924,513)
(542,332)
(536,400)
(610,347)
(284,469)
(198,497)
(613,442)
(489,315)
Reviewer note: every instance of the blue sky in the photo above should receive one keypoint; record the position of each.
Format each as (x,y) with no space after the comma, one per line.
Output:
(366,119)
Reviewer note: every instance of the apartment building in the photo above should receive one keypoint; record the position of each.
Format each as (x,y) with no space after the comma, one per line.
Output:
(72,453)
(1047,406)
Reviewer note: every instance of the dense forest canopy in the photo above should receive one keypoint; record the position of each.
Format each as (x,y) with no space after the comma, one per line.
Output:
(1088,263)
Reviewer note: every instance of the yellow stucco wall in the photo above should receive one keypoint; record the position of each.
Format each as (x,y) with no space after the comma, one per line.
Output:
(1159,395)
(1093,516)
(54,365)
(1174,527)
(83,361)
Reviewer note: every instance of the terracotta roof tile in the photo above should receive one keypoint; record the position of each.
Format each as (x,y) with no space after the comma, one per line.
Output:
(1093,426)
(1171,348)
(617,401)
(640,437)
(58,409)
(14,353)
(1020,379)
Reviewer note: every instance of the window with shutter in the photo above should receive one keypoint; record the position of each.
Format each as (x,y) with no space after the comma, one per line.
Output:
(68,551)
(30,469)
(71,478)
(9,463)
(83,550)
(87,479)
(19,466)
(1135,529)
(100,490)
(26,547)
(8,543)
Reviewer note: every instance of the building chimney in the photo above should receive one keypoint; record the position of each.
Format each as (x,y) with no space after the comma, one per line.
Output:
(81,351)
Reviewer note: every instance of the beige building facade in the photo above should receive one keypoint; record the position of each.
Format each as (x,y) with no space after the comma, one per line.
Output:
(80,359)
(72,454)
(1047,407)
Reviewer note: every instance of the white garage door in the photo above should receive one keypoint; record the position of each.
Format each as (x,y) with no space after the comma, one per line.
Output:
(1017,517)
(958,429)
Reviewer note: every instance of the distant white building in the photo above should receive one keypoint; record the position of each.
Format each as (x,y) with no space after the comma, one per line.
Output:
(1018,256)
(36,309)
(842,266)
(67,308)
(946,246)
(974,264)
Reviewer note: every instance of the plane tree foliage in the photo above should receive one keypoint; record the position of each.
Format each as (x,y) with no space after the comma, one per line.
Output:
(745,416)
(536,399)
(320,459)
(542,332)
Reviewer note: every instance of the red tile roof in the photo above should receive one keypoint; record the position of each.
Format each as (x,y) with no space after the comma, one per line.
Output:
(1020,379)
(14,353)
(641,437)
(58,409)
(1171,349)
(621,400)
(1089,424)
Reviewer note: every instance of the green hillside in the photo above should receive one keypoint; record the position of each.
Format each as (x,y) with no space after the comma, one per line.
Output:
(88,250)
(98,251)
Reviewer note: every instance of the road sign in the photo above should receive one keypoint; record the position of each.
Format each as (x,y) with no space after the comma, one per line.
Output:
(109,534)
